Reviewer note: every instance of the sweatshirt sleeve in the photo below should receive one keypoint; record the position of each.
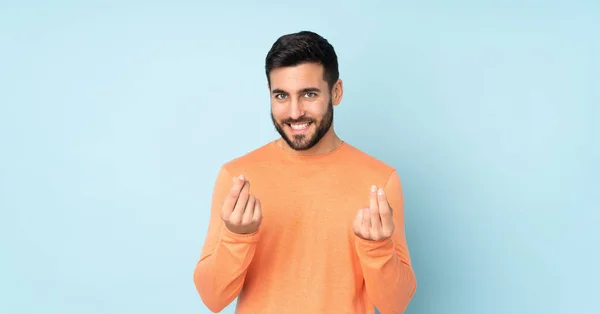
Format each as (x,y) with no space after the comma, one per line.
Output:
(220,273)
(389,278)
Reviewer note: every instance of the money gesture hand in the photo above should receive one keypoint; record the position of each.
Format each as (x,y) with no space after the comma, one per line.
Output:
(375,222)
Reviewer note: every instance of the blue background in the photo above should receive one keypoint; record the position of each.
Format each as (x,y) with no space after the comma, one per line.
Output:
(115,117)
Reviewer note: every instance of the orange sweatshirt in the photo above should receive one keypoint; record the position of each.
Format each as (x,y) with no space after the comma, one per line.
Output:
(305,257)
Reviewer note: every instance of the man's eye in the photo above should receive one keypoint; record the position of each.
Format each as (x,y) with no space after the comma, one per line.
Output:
(310,95)
(280,96)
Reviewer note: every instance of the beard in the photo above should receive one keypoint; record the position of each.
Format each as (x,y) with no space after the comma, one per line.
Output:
(301,141)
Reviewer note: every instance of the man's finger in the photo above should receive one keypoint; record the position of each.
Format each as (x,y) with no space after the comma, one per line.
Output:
(385,212)
(242,200)
(358,219)
(366,221)
(373,198)
(365,228)
(375,219)
(234,193)
(257,213)
(249,210)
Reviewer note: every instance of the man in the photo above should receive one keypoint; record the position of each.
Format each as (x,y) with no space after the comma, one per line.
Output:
(306,223)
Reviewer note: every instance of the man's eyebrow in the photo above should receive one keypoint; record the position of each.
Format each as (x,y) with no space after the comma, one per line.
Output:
(310,90)
(304,90)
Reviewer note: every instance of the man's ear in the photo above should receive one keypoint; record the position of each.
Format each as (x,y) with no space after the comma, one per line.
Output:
(337,92)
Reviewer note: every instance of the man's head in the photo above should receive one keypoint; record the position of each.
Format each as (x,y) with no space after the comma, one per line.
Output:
(303,77)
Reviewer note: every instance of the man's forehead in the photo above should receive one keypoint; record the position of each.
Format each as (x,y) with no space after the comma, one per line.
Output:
(297,78)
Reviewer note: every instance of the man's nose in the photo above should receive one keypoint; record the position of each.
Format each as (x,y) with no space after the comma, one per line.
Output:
(296,109)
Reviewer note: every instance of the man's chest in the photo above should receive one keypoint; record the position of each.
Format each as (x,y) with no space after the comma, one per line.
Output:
(321,206)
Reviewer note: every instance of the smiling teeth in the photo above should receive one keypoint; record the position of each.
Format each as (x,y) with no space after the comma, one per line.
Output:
(299,126)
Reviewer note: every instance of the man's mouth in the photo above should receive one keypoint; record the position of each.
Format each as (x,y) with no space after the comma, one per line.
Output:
(300,127)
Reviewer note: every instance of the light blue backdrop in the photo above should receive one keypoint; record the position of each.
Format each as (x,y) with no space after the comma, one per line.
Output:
(114,119)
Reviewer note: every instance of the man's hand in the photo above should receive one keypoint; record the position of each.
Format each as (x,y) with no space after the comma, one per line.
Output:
(375,223)
(241,211)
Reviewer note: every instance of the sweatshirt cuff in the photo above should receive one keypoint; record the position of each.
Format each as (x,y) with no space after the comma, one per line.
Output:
(230,237)
(372,248)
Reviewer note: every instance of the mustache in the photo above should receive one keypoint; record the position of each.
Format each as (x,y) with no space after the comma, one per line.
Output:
(303,120)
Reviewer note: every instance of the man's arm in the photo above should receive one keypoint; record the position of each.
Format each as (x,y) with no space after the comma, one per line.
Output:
(221,270)
(389,277)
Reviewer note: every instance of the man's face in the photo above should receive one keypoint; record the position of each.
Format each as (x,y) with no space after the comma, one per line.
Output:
(301,104)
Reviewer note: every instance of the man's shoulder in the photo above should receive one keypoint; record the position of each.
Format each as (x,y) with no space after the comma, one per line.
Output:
(256,156)
(367,161)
